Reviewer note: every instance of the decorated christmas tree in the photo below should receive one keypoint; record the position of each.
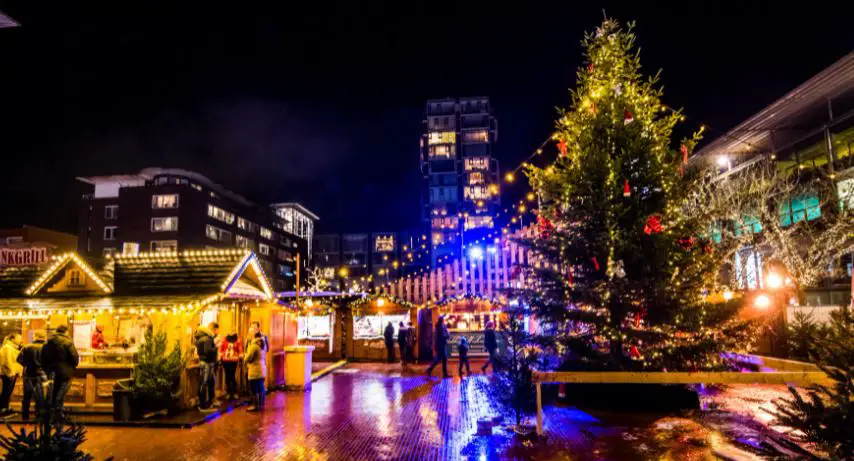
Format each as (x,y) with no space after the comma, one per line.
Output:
(628,272)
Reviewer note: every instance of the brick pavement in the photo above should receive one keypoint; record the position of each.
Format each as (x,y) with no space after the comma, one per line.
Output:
(377,412)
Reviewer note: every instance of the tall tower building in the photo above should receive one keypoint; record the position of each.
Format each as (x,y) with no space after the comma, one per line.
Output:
(461,179)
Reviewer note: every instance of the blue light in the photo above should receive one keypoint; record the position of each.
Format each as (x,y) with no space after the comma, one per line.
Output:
(491,250)
(476,252)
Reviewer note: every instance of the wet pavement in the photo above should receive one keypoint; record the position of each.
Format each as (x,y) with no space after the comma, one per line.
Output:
(375,412)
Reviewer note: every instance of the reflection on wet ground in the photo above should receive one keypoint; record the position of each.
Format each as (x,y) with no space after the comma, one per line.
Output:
(373,411)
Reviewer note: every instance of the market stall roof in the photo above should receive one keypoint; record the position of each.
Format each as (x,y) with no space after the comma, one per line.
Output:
(14,280)
(232,272)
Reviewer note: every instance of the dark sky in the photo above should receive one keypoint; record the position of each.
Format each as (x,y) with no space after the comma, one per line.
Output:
(322,104)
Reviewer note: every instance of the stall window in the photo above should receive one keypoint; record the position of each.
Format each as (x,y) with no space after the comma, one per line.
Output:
(76,278)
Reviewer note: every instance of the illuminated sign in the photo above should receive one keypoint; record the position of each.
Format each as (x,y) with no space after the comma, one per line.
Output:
(23,256)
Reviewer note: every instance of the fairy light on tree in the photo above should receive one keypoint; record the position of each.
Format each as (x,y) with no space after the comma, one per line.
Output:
(622,261)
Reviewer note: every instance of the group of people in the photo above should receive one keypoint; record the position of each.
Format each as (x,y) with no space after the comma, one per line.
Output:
(40,362)
(405,341)
(440,343)
(214,350)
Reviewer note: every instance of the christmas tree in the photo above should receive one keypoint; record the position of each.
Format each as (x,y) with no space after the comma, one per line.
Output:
(628,265)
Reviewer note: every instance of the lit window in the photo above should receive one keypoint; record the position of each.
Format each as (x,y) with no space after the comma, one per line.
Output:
(801,208)
(266,233)
(384,243)
(164,201)
(264,249)
(478,222)
(167,224)
(164,246)
(220,214)
(76,278)
(243,242)
(443,151)
(475,193)
(477,163)
(476,178)
(442,137)
(215,233)
(111,212)
(196,186)
(476,136)
(285,255)
(110,232)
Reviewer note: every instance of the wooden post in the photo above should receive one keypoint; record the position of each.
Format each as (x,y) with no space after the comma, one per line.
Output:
(539,408)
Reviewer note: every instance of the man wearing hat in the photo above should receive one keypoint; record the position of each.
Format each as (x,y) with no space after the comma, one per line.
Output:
(34,375)
(59,358)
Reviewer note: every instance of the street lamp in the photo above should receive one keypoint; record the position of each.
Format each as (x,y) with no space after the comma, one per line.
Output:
(774,280)
(762,301)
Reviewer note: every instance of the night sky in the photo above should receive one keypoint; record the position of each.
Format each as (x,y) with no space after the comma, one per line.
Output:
(324,105)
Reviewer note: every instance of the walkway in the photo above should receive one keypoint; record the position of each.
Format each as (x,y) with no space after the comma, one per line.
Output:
(373,412)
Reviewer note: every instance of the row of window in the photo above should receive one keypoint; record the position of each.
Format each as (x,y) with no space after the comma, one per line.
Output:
(227,217)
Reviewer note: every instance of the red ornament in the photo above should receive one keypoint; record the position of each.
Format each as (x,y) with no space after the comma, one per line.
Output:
(627,191)
(684,150)
(545,226)
(595,263)
(634,352)
(653,225)
(569,278)
(561,146)
(590,67)
(628,117)
(687,242)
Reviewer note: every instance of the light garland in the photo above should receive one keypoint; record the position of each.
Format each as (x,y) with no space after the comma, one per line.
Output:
(59,264)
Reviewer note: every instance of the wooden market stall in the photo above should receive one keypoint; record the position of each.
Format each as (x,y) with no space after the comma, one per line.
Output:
(464,316)
(366,319)
(169,292)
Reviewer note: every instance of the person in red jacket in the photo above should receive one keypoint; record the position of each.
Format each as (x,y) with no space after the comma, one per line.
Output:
(98,341)
(230,352)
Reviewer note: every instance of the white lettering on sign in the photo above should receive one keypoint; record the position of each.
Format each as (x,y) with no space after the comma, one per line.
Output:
(23,256)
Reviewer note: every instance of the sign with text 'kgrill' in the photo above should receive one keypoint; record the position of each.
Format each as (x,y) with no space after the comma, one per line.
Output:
(23,256)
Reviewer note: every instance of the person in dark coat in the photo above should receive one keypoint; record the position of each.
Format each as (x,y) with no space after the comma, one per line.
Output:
(440,342)
(410,343)
(490,343)
(207,352)
(388,334)
(403,342)
(463,352)
(34,375)
(59,358)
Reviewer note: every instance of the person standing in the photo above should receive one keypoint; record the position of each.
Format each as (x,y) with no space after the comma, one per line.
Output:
(207,352)
(230,353)
(34,375)
(410,343)
(463,351)
(403,342)
(98,341)
(440,342)
(256,370)
(10,369)
(59,358)
(490,342)
(388,334)
(255,327)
